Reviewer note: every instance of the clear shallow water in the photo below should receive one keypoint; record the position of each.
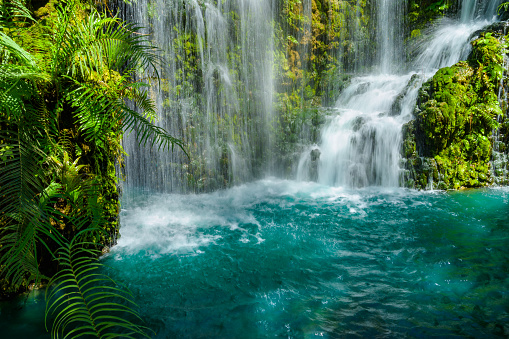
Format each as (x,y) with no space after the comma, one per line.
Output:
(301,260)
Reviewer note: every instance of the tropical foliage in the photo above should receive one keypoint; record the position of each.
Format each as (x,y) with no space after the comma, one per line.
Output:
(86,302)
(67,94)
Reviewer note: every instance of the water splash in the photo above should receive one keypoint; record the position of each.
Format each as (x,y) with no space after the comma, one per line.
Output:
(360,146)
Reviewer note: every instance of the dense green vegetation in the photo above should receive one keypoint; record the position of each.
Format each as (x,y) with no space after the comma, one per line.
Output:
(423,12)
(322,49)
(318,45)
(66,97)
(449,144)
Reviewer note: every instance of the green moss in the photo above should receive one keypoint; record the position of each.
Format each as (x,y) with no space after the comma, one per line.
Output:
(456,113)
(422,12)
(314,50)
(415,33)
(47,9)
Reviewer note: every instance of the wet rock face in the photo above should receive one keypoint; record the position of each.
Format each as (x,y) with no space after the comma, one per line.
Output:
(315,154)
(313,169)
(449,144)
(398,104)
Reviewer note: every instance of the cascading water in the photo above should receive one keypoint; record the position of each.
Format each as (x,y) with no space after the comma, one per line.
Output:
(279,258)
(390,35)
(499,156)
(360,146)
(215,93)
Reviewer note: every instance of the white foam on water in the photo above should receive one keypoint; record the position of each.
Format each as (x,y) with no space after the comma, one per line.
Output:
(174,224)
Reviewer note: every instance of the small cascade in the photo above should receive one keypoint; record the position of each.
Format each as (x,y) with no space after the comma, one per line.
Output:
(360,146)
(499,156)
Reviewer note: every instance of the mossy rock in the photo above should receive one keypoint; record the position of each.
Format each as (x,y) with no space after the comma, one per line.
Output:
(457,110)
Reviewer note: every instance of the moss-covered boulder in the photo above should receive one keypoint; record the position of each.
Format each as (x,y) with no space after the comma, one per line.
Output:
(448,145)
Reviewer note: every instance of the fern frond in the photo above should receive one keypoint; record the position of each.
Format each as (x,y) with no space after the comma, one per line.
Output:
(96,111)
(12,73)
(18,259)
(25,219)
(83,301)
(146,131)
(102,44)
(65,140)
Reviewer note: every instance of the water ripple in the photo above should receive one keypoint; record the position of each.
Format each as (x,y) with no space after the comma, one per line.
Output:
(280,259)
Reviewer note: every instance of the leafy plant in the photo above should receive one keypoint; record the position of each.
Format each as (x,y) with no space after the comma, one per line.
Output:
(96,59)
(84,301)
(66,95)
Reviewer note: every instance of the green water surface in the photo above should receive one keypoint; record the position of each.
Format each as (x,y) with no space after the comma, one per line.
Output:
(283,259)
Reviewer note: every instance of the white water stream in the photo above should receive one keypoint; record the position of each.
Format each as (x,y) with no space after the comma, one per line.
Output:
(360,145)
(216,92)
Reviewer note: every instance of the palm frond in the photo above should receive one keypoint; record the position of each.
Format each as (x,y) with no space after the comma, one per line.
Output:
(103,44)
(83,301)
(146,131)
(10,46)
(12,11)
(96,57)
(96,111)
(78,72)
(18,261)
(26,224)
(12,73)
(25,220)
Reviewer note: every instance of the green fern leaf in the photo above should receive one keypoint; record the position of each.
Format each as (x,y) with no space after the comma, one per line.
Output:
(83,301)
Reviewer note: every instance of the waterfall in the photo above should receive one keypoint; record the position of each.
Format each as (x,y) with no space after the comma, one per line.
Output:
(499,156)
(360,145)
(478,10)
(215,93)
(390,34)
